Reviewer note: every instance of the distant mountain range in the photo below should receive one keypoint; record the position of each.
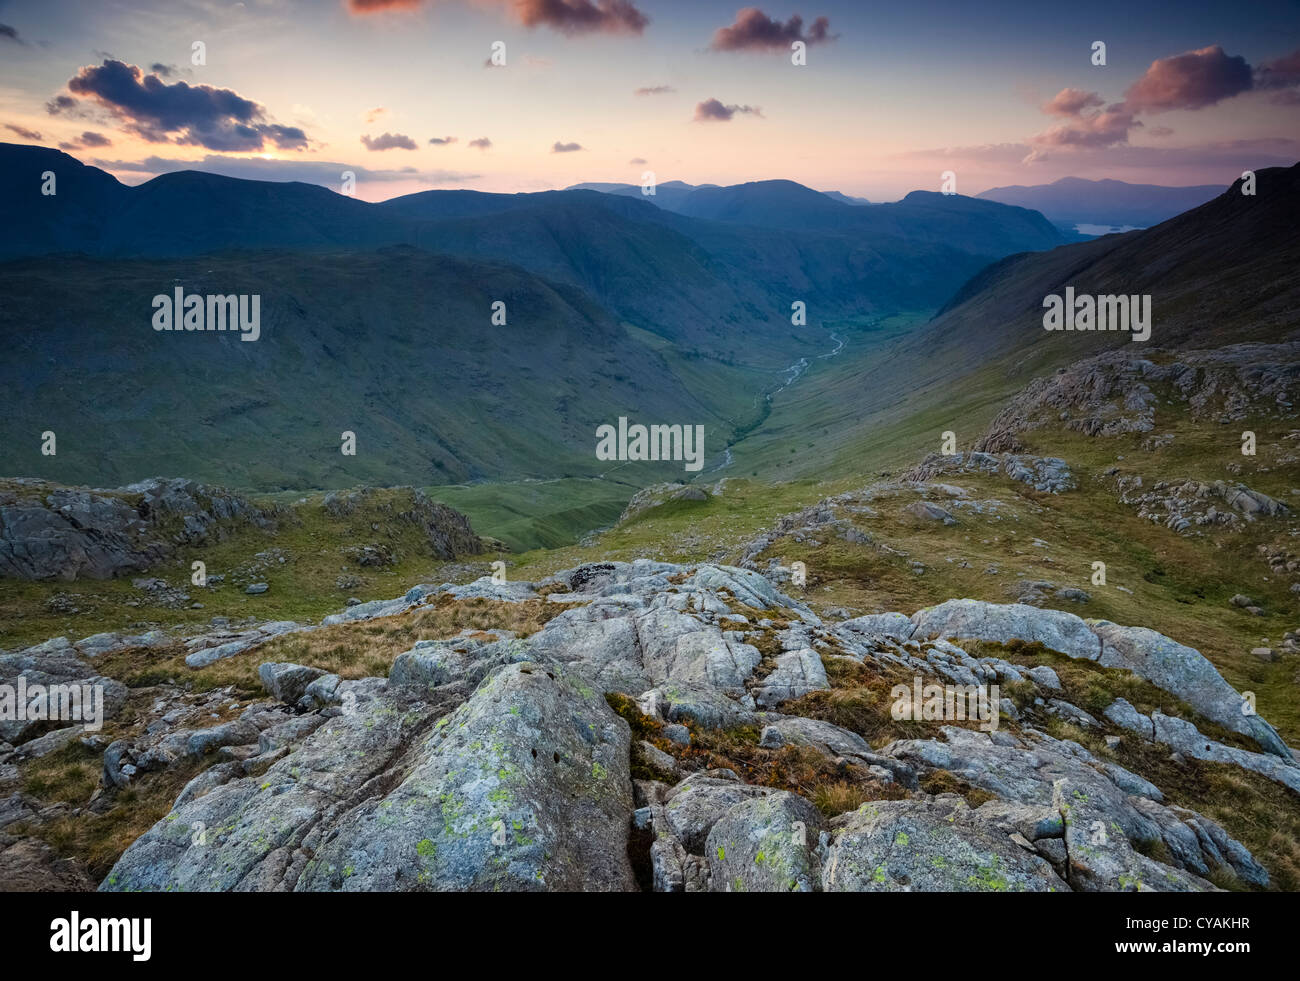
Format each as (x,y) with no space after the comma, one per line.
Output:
(1074,201)
(673,195)
(376,317)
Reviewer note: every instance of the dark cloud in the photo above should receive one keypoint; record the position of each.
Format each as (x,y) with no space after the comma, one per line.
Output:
(87,140)
(64,105)
(1189,81)
(389,141)
(637,161)
(565,16)
(23,131)
(655,90)
(11,33)
(189,115)
(755,31)
(482,143)
(1280,73)
(581,16)
(442,140)
(711,110)
(166,71)
(559,147)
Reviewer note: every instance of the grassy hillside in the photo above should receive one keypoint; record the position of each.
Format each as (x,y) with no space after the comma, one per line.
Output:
(395,345)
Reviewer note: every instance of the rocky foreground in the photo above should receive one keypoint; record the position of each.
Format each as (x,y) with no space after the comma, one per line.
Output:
(490,762)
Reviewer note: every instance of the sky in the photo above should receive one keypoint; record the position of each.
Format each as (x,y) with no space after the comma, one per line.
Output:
(404,95)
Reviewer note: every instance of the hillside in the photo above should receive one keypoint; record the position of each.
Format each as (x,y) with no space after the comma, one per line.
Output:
(957,371)
(380,313)
(396,346)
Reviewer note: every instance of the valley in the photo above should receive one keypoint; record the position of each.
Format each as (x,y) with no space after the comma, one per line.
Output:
(273,617)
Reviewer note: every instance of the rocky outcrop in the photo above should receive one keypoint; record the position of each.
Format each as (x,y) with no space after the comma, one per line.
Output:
(52,532)
(1176,668)
(488,761)
(1111,393)
(524,786)
(1043,473)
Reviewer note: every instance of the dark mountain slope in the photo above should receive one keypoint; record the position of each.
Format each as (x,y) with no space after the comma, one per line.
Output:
(395,345)
(1220,273)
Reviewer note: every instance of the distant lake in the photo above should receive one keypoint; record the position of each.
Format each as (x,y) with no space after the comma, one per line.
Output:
(1104,229)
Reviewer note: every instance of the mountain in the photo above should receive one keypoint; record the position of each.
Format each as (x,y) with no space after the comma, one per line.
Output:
(182,213)
(1073,200)
(395,345)
(703,272)
(1222,273)
(376,318)
(965,224)
(1200,296)
(670,195)
(845,198)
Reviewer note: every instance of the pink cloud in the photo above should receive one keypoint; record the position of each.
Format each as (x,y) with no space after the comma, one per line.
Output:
(1190,81)
(753,30)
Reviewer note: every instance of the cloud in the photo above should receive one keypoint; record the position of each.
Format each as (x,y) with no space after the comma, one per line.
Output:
(189,115)
(11,33)
(655,90)
(23,131)
(374,6)
(755,31)
(166,71)
(65,105)
(566,16)
(637,161)
(582,16)
(86,140)
(1280,73)
(711,110)
(482,143)
(1160,131)
(373,114)
(1103,127)
(388,141)
(326,173)
(1189,81)
(441,140)
(559,147)
(1071,102)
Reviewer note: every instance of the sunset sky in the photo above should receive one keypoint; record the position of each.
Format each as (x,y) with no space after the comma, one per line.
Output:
(892,94)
